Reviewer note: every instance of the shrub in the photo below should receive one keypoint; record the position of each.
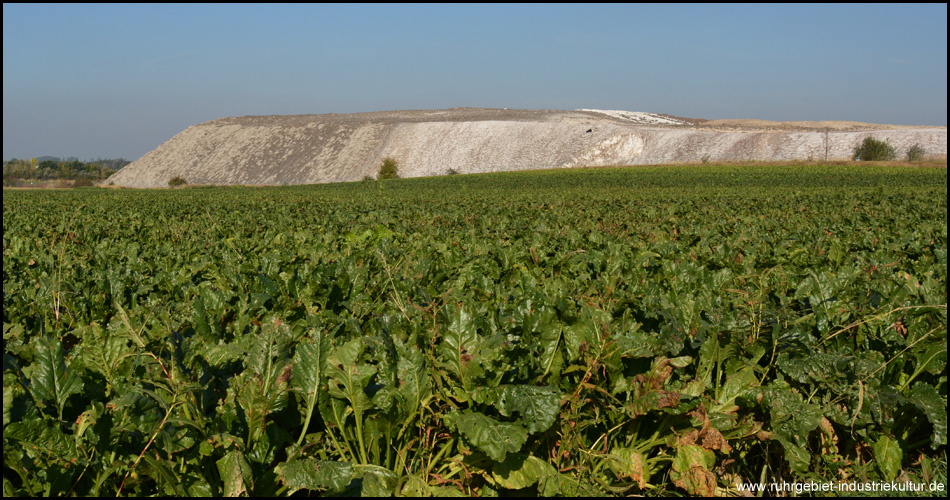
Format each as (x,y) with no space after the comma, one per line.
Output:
(874,150)
(176,181)
(389,169)
(916,153)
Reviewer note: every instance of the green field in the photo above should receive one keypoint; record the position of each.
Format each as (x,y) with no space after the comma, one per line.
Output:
(657,331)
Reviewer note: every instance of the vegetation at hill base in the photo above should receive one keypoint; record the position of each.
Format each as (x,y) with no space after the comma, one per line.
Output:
(44,169)
(916,153)
(872,149)
(388,169)
(625,331)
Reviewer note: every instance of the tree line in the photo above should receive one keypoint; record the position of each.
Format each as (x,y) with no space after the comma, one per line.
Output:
(51,168)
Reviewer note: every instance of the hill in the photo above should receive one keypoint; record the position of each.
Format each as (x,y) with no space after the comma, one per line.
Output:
(310,149)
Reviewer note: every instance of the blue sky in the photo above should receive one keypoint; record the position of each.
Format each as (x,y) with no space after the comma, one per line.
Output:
(119,80)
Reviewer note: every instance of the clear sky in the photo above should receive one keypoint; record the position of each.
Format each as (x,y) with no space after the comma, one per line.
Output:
(119,80)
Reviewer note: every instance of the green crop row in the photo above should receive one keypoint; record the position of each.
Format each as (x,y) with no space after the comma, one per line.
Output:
(591,332)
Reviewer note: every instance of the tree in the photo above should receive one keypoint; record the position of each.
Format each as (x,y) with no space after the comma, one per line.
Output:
(874,150)
(388,169)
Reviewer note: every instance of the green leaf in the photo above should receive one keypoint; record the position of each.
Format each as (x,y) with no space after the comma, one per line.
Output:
(681,362)
(310,361)
(495,438)
(581,335)
(791,417)
(348,379)
(313,474)
(235,474)
(272,342)
(459,348)
(814,368)
(520,470)
(50,380)
(167,479)
(38,436)
(220,354)
(691,455)
(414,486)
(929,401)
(269,285)
(888,454)
(415,383)
(567,486)
(377,481)
(102,352)
(11,388)
(552,360)
(200,317)
(538,406)
(737,384)
(446,491)
(797,456)
(196,486)
(258,400)
(933,359)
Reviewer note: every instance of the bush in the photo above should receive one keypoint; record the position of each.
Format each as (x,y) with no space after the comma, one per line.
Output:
(389,169)
(176,181)
(916,153)
(874,150)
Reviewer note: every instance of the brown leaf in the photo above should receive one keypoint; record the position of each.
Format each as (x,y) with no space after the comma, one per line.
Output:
(698,481)
(714,440)
(829,440)
(689,438)
(668,400)
(661,372)
(636,470)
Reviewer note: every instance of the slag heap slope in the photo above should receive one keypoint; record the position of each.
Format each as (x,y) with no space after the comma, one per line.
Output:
(310,149)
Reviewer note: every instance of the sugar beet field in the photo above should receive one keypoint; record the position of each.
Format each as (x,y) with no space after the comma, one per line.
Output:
(657,331)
